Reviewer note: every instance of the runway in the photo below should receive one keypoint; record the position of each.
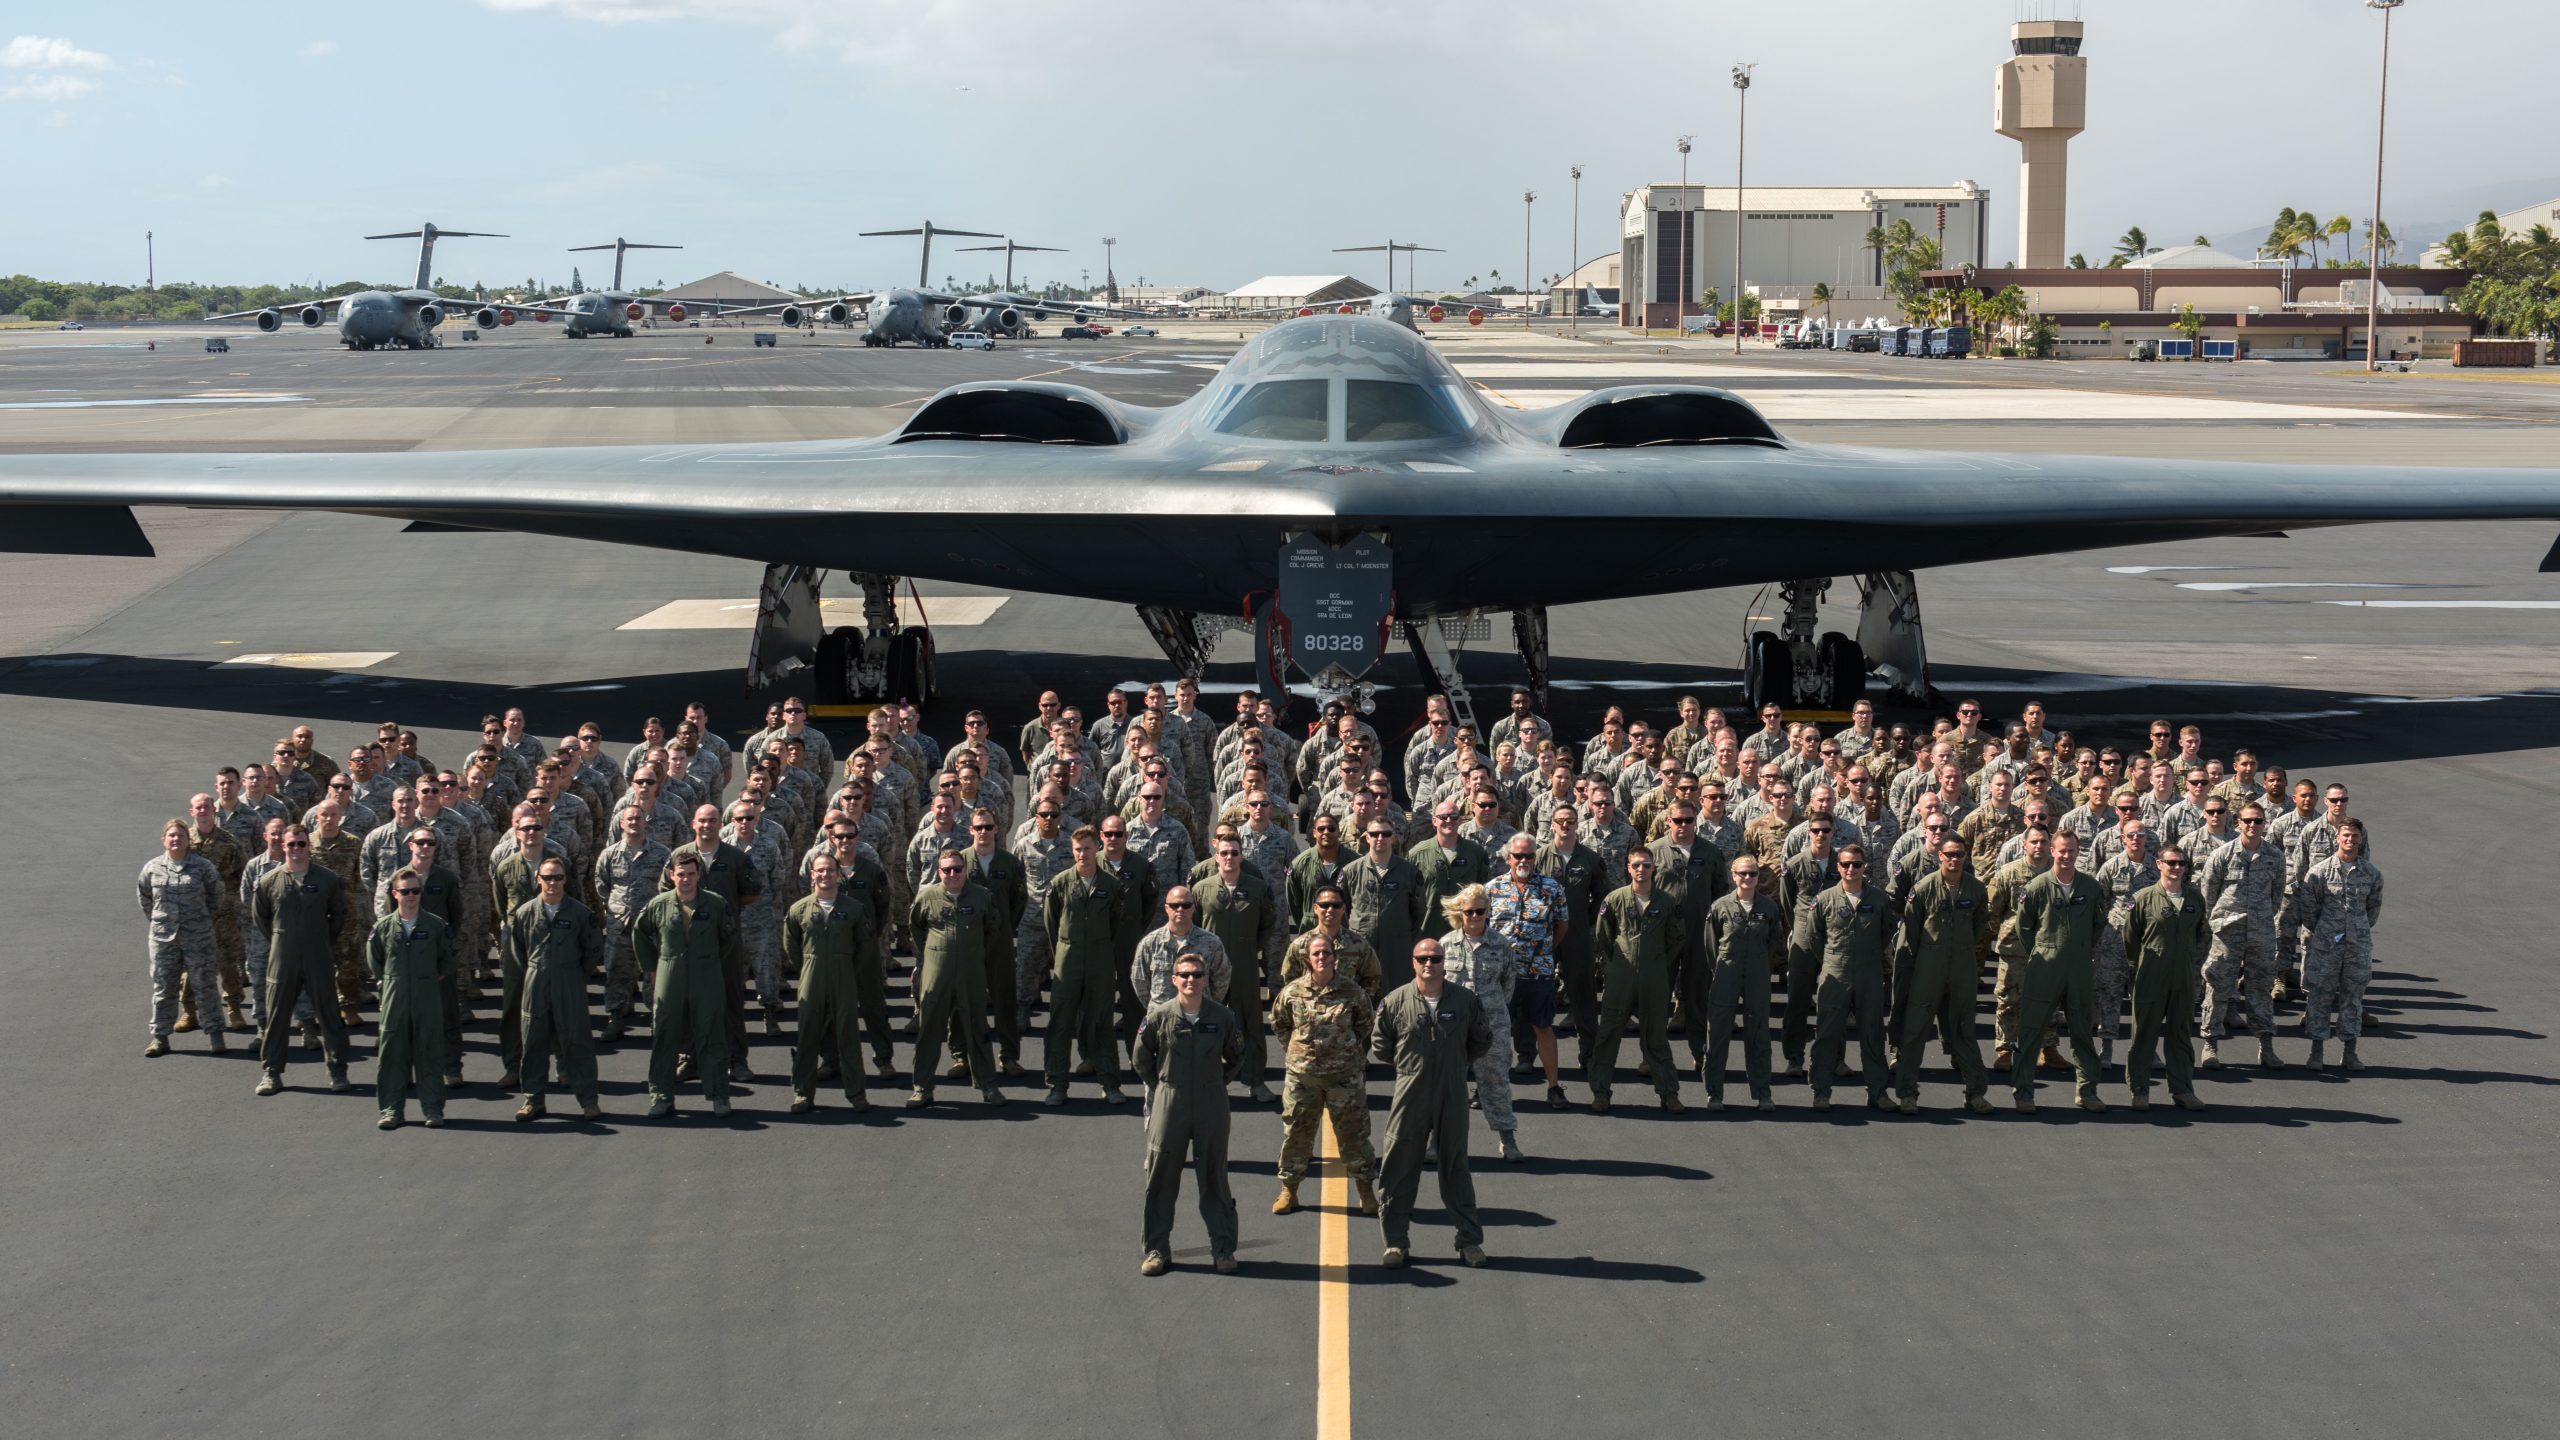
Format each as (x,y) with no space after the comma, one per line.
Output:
(2305,1257)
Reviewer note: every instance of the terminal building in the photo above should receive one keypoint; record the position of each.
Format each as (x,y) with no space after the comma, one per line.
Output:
(1795,236)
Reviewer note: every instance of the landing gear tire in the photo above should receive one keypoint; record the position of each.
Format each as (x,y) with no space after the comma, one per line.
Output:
(1845,665)
(1768,671)
(836,653)
(911,667)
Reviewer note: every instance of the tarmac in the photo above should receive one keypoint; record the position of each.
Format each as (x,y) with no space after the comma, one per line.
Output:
(2308,1255)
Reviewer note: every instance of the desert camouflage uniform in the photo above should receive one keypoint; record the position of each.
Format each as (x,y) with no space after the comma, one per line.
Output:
(2011,947)
(1326,1034)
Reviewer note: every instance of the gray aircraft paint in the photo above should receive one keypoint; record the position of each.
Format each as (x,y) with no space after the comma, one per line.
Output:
(1176,511)
(373,319)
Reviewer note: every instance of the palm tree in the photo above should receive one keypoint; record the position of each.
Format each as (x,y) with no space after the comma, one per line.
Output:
(2078,261)
(2338,228)
(2133,244)
(2201,240)
(2378,232)
(1822,297)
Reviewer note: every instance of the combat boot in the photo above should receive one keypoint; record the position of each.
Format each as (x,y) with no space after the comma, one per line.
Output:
(959,1068)
(511,1080)
(186,1023)
(2026,1104)
(1978,1104)
(2140,1101)
(1287,1201)
(918,1099)
(720,1107)
(802,1104)
(2267,1057)
(2208,1058)
(1056,1097)
(1473,1255)
(1154,1264)
(661,1109)
(234,1019)
(2319,1060)
(390,1121)
(2189,1101)
(988,1093)
(270,1083)
(2093,1104)
(1672,1105)
(1392,1257)
(1511,1148)
(530,1111)
(2051,1059)
(1260,1094)
(772,1020)
(589,1111)
(1368,1196)
(339,1084)
(2004,1056)
(158,1047)
(857,1102)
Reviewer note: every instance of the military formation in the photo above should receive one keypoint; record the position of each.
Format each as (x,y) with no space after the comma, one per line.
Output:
(1163,895)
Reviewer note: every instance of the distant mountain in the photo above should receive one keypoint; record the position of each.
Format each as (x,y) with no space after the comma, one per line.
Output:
(2441,213)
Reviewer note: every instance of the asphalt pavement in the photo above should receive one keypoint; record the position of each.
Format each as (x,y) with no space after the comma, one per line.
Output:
(2306,1256)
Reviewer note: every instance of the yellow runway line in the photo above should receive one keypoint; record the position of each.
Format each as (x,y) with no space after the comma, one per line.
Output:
(1333,1292)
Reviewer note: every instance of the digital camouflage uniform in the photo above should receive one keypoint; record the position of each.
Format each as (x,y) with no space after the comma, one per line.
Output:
(760,919)
(626,877)
(2336,904)
(181,898)
(229,860)
(1487,967)
(2243,889)
(1325,1034)
(2122,880)
(1042,862)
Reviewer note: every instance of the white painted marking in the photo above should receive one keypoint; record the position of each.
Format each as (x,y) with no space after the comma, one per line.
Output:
(316,659)
(171,400)
(585,689)
(1123,370)
(2297,585)
(2450,604)
(2155,569)
(938,610)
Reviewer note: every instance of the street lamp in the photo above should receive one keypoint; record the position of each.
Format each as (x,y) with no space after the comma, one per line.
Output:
(1679,207)
(1574,260)
(1110,284)
(2373,232)
(1741,105)
(1528,211)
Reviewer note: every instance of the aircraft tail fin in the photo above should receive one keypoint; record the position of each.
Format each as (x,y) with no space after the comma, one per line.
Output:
(618,246)
(426,235)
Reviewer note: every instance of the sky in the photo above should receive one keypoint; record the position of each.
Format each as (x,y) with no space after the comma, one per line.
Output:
(1217,141)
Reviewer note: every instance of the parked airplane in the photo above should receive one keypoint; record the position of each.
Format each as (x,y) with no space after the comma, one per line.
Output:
(372,319)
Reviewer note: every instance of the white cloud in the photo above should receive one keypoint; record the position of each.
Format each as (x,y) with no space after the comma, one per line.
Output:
(40,52)
(319,49)
(48,87)
(51,67)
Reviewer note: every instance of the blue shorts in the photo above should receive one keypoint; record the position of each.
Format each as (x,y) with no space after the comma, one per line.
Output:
(1533,1002)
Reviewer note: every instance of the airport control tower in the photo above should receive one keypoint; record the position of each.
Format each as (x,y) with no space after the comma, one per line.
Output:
(2041,101)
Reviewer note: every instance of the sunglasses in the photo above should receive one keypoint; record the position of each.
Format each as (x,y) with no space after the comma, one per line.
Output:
(410,890)
(1478,910)
(1181,975)
(1853,864)
(1328,904)
(297,844)
(2173,864)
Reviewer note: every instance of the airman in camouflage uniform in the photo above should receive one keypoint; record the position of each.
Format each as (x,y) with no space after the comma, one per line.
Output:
(627,875)
(2165,935)
(1481,960)
(2132,871)
(1325,1024)
(2243,883)
(1045,855)
(343,854)
(2011,946)
(1151,970)
(760,919)
(229,859)
(181,892)
(2336,904)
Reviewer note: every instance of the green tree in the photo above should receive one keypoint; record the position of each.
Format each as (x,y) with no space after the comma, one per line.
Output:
(2133,244)
(39,308)
(2190,324)
(2201,240)
(1822,296)
(2042,334)
(2079,261)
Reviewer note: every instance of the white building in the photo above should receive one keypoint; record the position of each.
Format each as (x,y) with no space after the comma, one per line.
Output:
(1273,292)
(2514,222)
(1792,235)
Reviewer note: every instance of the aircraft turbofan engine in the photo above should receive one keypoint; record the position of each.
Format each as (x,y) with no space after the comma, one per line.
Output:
(791,316)
(676,313)
(1009,320)
(955,316)
(634,310)
(839,314)
(430,316)
(311,317)
(486,317)
(270,321)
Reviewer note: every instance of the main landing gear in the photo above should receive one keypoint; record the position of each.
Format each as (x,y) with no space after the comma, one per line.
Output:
(883,658)
(1793,667)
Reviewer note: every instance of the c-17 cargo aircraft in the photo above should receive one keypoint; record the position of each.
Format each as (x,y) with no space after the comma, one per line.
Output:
(374,319)
(609,311)
(1335,477)
(923,315)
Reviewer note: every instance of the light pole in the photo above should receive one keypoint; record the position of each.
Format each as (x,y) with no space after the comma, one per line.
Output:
(1741,105)
(1574,260)
(2373,233)
(1110,284)
(1679,207)
(1528,210)
(150,277)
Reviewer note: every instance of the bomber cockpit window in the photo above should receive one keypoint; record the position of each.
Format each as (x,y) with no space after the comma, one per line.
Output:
(1381,410)
(1279,410)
